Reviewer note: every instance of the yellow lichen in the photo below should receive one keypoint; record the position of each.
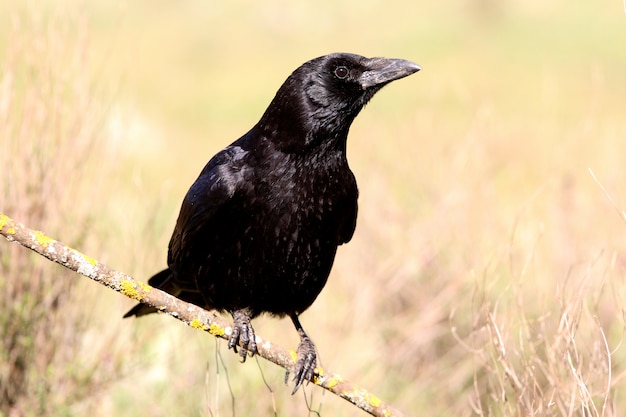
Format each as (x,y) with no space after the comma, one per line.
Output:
(90,260)
(197,324)
(216,330)
(318,376)
(374,400)
(294,355)
(43,239)
(78,255)
(334,381)
(129,289)
(7,221)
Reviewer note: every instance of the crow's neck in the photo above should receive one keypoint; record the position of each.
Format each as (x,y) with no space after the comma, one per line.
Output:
(290,134)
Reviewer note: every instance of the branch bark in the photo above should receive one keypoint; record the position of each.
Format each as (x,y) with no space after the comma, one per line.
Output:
(189,314)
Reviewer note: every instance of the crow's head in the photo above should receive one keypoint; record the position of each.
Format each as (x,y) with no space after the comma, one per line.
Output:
(320,99)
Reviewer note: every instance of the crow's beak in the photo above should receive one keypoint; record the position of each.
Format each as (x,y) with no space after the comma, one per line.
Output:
(384,70)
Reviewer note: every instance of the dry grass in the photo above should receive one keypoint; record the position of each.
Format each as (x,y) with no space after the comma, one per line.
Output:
(53,358)
(486,276)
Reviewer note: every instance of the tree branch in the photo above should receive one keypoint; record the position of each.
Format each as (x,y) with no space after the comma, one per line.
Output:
(189,314)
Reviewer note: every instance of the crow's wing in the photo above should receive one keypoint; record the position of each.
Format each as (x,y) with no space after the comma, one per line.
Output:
(218,182)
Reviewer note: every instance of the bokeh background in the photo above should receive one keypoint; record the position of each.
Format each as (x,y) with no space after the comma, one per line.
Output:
(486,275)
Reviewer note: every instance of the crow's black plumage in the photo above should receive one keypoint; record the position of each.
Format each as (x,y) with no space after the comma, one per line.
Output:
(258,230)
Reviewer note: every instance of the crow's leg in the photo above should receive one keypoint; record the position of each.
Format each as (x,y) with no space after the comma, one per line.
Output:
(242,331)
(306,356)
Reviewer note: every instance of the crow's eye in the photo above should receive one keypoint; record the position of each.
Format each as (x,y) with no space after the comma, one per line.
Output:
(341,72)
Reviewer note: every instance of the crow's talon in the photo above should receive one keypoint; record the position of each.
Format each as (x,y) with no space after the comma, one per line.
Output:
(243,334)
(305,363)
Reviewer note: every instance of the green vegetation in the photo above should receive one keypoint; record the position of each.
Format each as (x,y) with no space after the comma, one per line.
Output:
(486,275)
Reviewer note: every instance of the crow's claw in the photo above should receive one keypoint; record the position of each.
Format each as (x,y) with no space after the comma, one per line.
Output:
(306,358)
(305,363)
(242,335)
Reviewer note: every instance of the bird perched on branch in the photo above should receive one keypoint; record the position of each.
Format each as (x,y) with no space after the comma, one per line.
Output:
(258,230)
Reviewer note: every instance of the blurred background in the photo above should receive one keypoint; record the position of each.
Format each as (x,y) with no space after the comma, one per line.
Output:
(486,275)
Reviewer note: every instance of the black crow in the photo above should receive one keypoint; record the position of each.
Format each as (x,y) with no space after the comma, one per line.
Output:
(258,230)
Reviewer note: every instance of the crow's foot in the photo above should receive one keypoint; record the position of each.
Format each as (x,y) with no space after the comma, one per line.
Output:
(306,358)
(243,335)
(305,363)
